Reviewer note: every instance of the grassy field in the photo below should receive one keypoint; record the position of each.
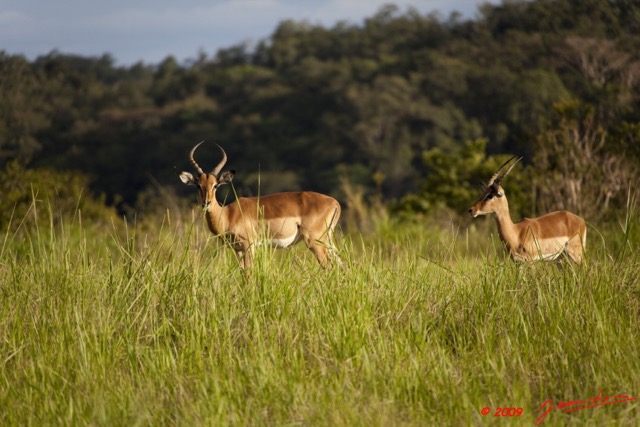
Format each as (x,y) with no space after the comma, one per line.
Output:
(420,325)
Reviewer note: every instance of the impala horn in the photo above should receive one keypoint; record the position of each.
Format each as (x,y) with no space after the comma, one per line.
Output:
(193,162)
(218,168)
(508,170)
(497,173)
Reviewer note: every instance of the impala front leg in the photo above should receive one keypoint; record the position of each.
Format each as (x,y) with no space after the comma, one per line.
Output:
(244,253)
(247,258)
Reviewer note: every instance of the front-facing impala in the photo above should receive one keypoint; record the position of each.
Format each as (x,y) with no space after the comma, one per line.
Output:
(532,239)
(280,219)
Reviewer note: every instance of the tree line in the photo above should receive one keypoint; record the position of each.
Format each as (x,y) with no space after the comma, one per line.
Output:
(411,109)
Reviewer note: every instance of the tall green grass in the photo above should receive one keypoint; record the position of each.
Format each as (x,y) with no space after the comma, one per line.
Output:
(419,325)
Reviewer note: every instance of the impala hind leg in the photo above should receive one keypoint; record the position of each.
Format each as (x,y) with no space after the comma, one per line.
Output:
(321,243)
(329,249)
(319,247)
(574,248)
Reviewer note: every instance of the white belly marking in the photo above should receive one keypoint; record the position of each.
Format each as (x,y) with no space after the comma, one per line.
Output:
(550,249)
(283,243)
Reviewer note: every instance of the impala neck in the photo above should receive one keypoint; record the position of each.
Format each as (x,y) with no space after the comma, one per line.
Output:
(217,219)
(506,227)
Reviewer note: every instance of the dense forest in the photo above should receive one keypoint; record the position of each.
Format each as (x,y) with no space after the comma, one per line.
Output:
(406,109)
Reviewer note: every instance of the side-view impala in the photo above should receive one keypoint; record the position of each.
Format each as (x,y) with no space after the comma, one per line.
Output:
(543,238)
(280,219)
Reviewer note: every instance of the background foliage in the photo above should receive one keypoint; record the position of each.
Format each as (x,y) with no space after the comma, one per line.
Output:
(386,107)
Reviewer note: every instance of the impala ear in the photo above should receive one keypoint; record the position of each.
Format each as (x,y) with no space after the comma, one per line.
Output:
(496,189)
(187,178)
(226,177)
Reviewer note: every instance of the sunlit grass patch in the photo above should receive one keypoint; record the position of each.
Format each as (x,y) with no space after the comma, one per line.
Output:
(418,325)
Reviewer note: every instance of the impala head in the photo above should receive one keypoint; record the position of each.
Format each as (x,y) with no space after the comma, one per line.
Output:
(493,196)
(207,183)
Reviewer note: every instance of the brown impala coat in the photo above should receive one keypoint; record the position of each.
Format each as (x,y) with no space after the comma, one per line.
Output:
(280,219)
(532,239)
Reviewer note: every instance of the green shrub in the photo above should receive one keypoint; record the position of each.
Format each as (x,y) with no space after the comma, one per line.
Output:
(26,191)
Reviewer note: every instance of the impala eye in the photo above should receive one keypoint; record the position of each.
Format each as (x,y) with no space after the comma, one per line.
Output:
(489,197)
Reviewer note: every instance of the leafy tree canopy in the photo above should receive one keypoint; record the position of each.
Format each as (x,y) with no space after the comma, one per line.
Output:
(386,103)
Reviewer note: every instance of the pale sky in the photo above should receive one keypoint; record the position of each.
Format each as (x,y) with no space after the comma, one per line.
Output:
(151,30)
